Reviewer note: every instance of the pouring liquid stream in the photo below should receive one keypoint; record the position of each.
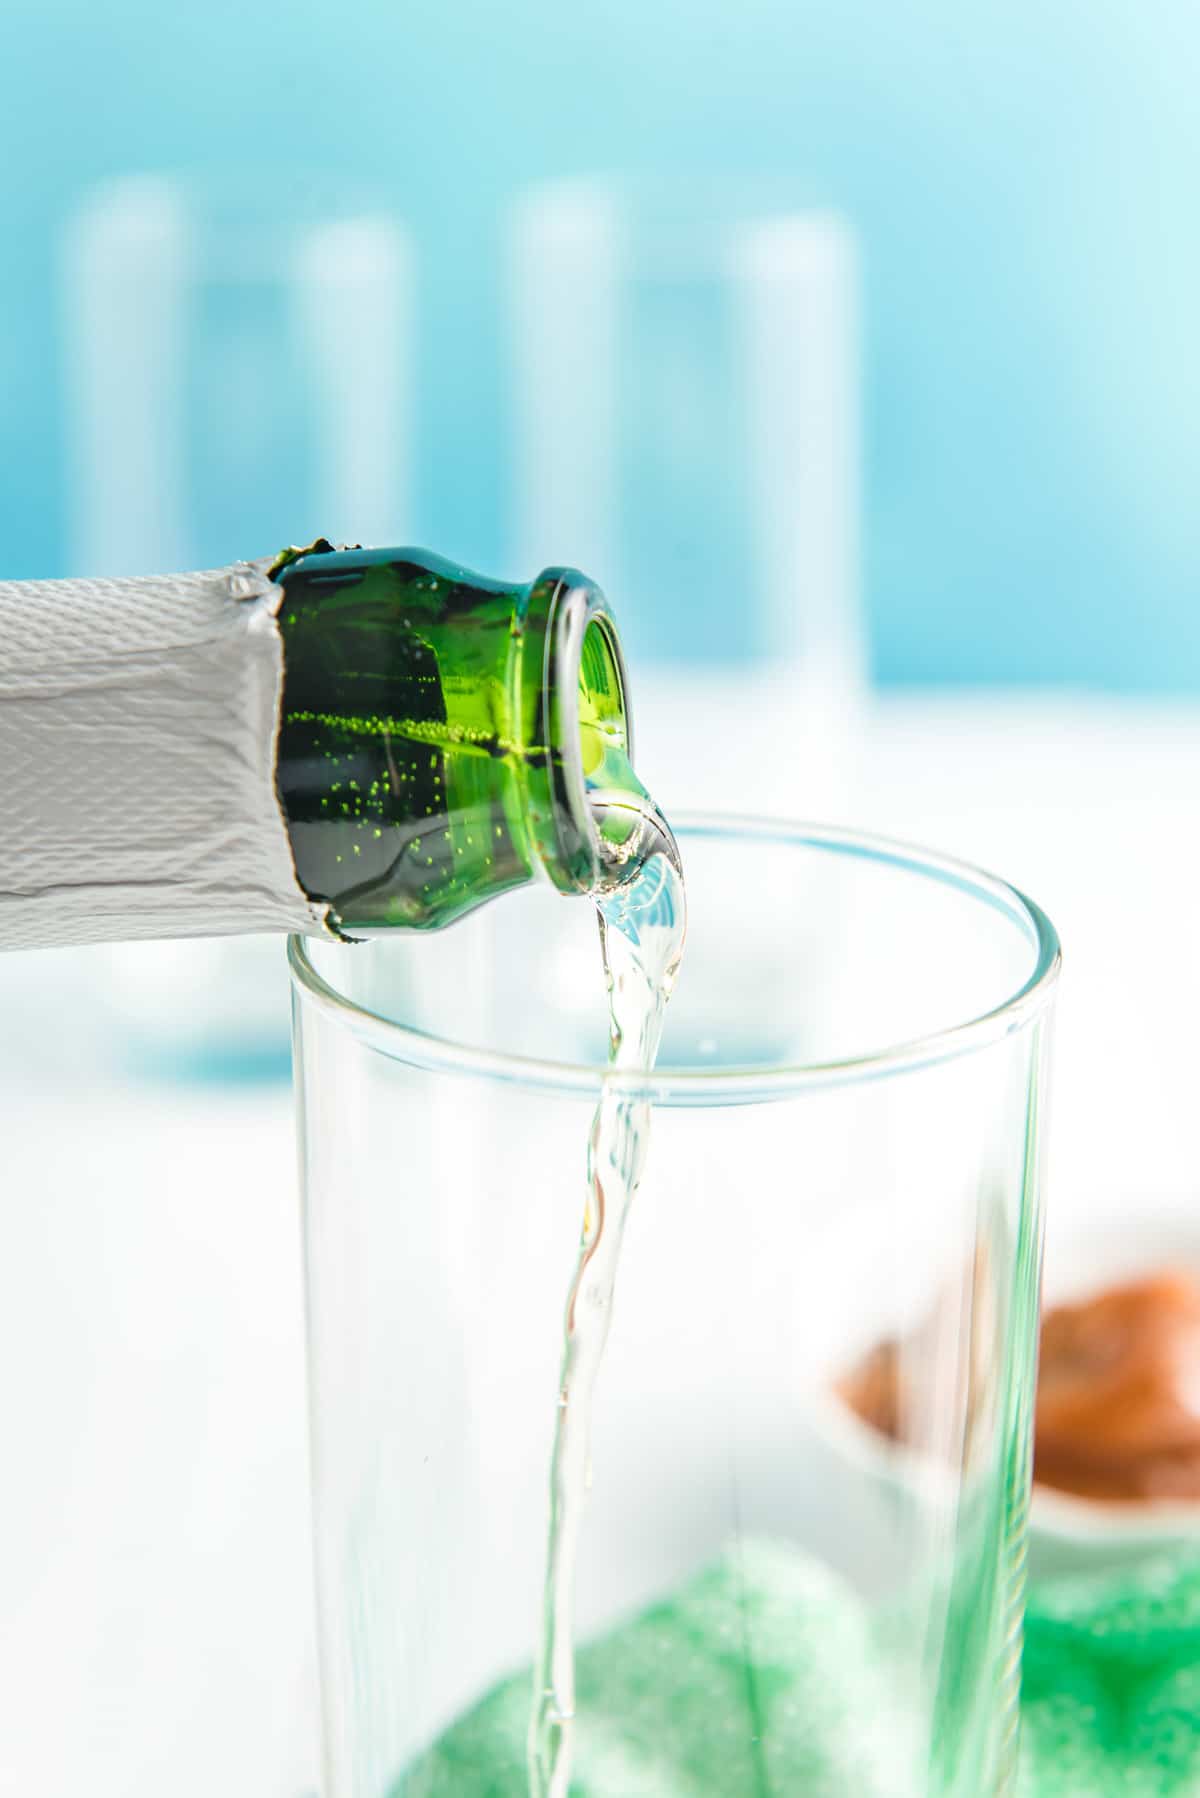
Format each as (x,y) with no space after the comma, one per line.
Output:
(642,925)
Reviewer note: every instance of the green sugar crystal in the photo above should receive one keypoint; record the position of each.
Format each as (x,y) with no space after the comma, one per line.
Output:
(760,1677)
(1111,1686)
(764,1678)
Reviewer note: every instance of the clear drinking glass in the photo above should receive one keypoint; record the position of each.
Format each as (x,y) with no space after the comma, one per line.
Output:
(801,1566)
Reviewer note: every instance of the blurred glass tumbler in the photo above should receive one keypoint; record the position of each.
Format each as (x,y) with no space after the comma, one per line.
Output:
(237,358)
(845,1150)
(685,369)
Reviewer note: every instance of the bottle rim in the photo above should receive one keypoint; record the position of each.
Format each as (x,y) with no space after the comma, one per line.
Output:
(738,1084)
(566,610)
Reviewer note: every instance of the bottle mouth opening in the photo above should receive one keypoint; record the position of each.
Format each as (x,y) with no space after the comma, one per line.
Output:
(589,737)
(605,745)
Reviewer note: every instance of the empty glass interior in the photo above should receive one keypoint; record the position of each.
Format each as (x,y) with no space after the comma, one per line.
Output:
(804,949)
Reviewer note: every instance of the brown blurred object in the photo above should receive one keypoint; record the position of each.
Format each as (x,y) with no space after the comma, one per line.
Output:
(952,1424)
(1118,1401)
(872,1389)
(1118,1406)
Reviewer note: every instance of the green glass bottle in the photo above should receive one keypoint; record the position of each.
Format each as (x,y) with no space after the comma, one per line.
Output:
(444,738)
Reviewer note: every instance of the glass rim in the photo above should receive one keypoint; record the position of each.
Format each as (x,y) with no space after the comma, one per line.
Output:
(739,1083)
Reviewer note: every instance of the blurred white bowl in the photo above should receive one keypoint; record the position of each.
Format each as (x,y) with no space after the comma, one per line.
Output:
(1070,1534)
(1067,1534)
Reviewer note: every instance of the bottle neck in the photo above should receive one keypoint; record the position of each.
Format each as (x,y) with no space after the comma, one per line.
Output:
(444,738)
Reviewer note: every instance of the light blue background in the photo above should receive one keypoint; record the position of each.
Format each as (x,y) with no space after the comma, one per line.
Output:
(1024,177)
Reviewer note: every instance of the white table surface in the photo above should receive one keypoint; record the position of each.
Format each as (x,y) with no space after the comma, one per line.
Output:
(154,1575)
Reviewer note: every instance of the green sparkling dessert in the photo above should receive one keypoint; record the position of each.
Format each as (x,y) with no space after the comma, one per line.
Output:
(767,1676)
(761,1677)
(1111,1683)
